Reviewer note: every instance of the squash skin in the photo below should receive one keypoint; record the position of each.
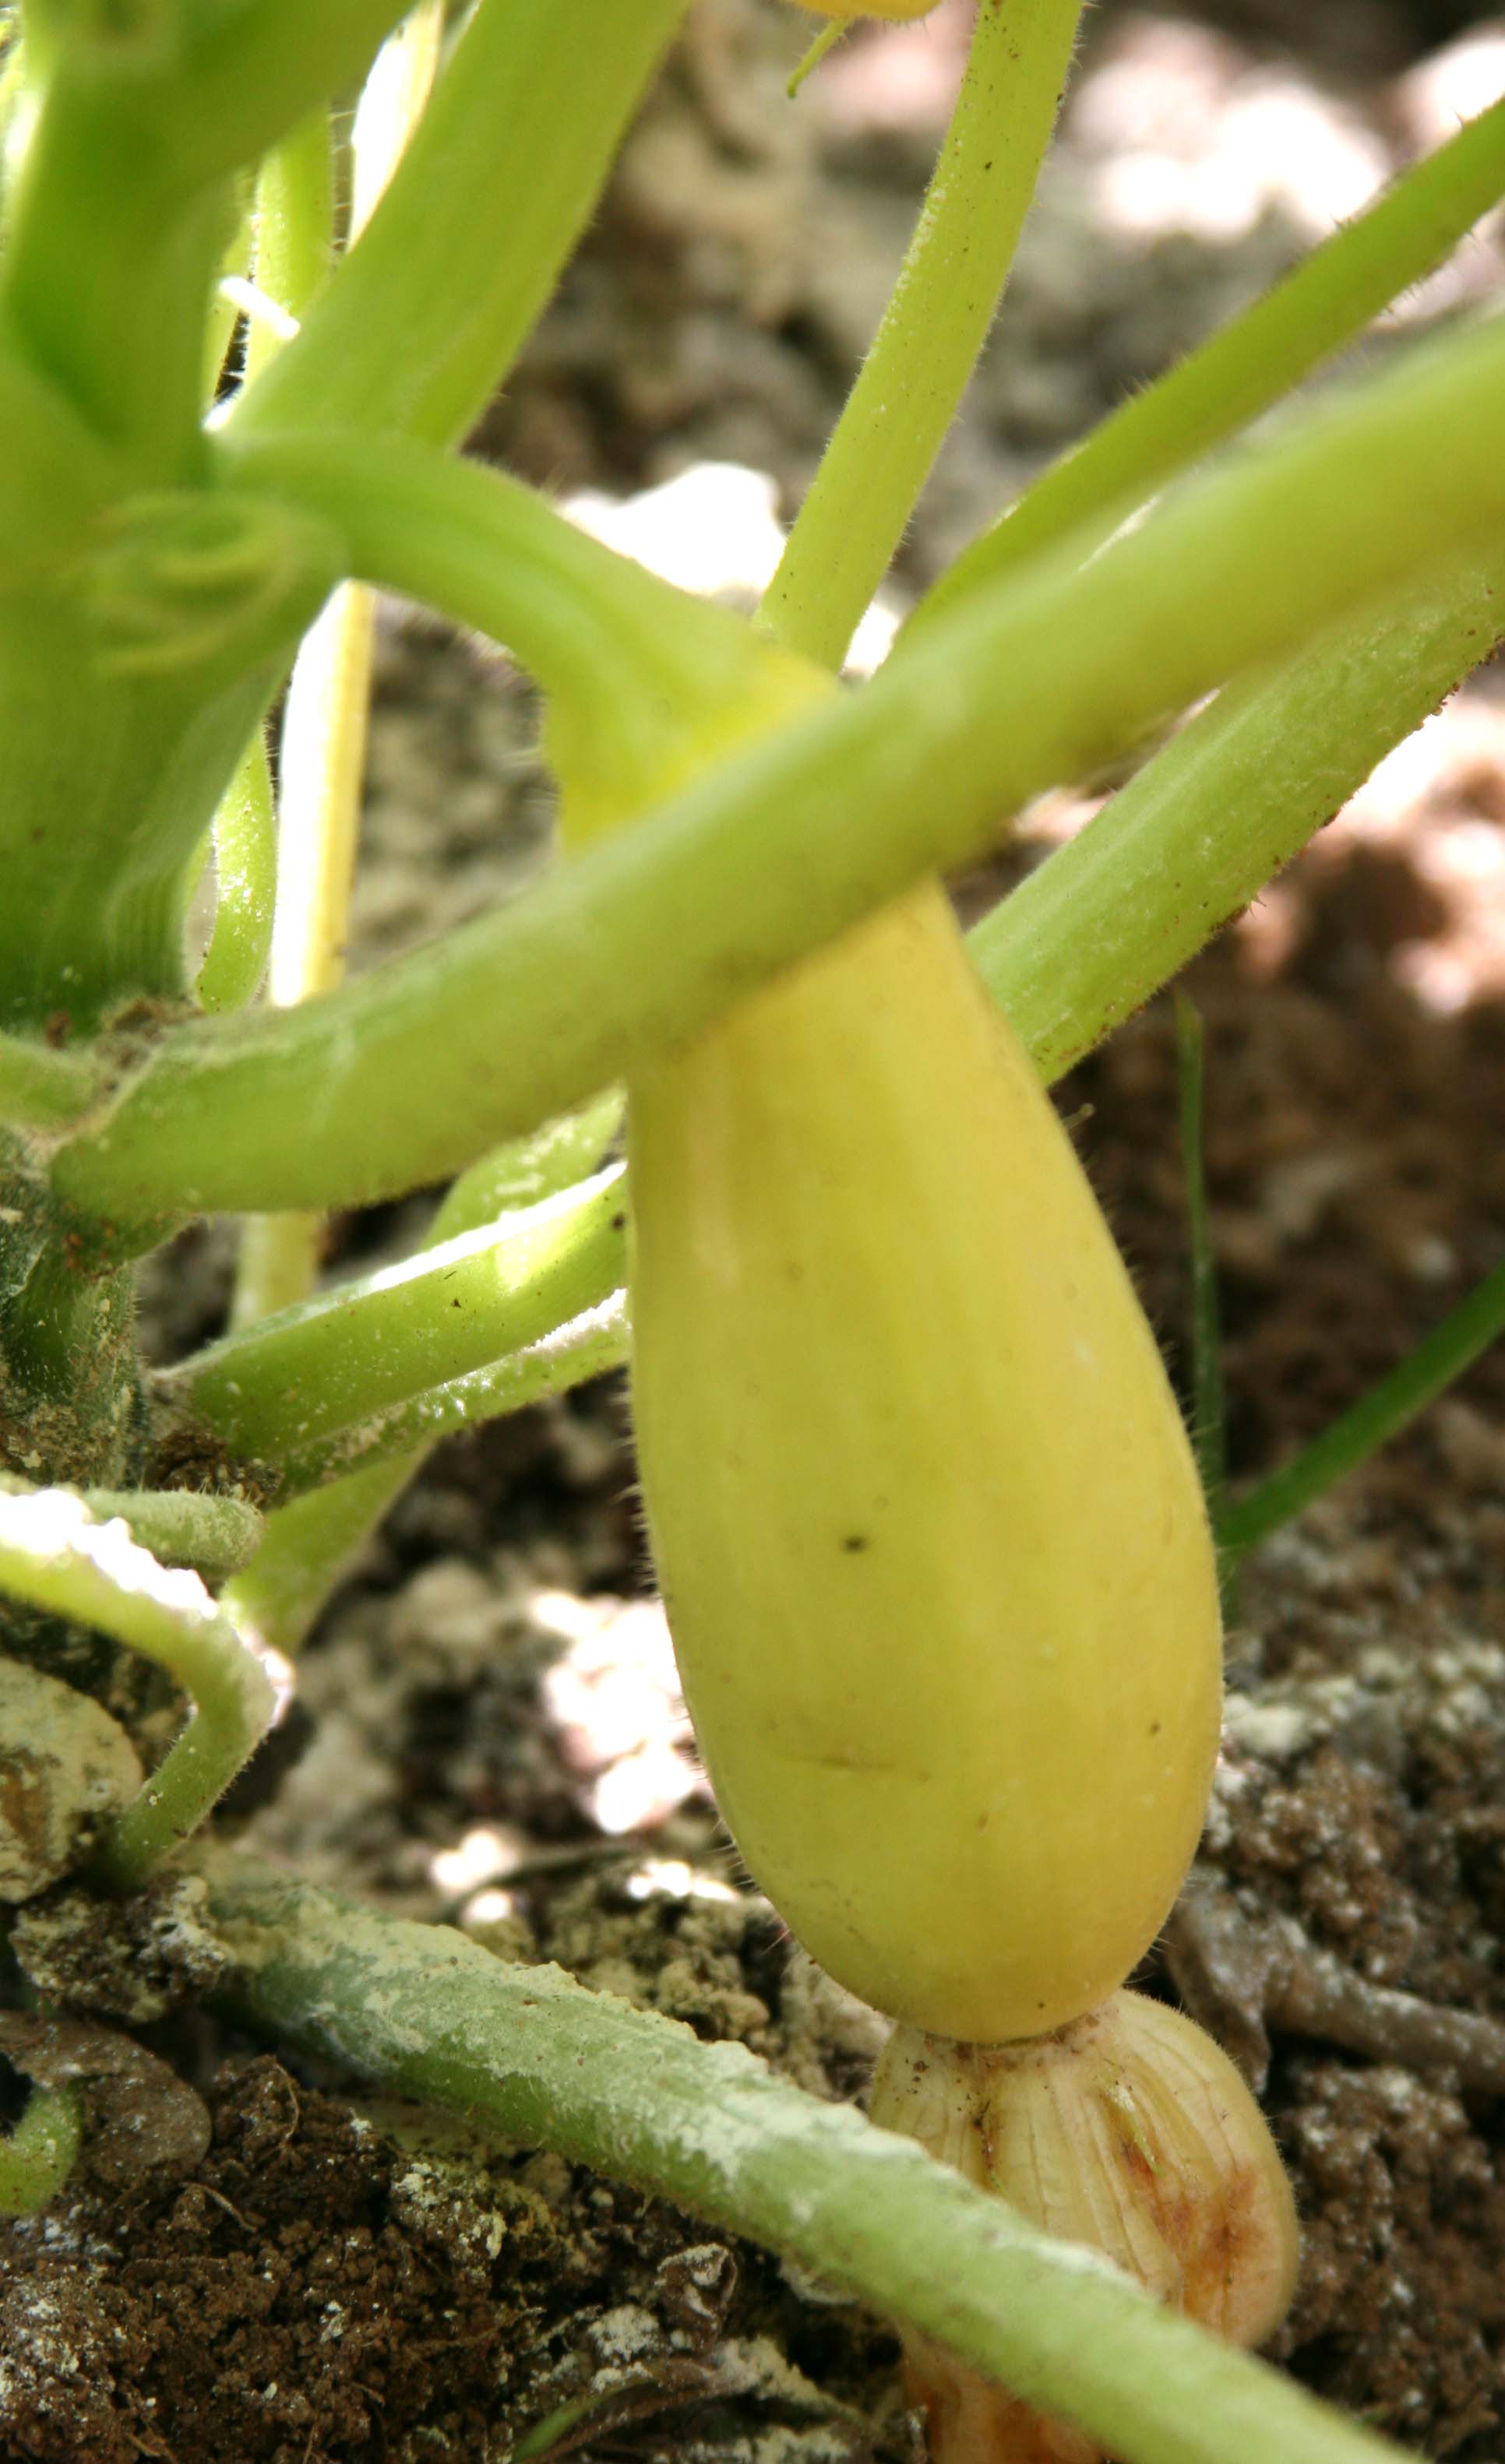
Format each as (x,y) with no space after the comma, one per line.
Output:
(932,1542)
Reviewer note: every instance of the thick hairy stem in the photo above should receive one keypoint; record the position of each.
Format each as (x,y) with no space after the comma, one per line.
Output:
(1112,914)
(279,1385)
(179,1526)
(642,677)
(310,1543)
(322,766)
(586,1346)
(537,2058)
(400,1076)
(427,313)
(215,1535)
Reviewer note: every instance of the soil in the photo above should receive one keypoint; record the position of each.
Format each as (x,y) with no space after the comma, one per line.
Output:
(274,2269)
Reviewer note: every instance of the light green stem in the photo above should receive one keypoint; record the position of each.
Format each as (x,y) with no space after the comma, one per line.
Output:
(323,744)
(173,626)
(39,2153)
(1119,909)
(245,886)
(56,1557)
(43,1089)
(310,1546)
(531,2054)
(251,74)
(1248,365)
(310,1543)
(581,1347)
(279,1385)
(923,354)
(179,1526)
(427,313)
(525,1171)
(215,1535)
(824,41)
(321,764)
(402,1075)
(107,276)
(293,232)
(320,772)
(55,480)
(642,674)
(125,198)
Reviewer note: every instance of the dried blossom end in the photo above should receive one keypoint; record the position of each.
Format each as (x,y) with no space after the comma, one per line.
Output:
(1130,2131)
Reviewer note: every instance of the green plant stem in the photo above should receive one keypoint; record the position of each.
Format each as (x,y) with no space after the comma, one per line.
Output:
(180,1526)
(56,480)
(250,74)
(56,1557)
(292,233)
(39,2153)
(245,886)
(322,770)
(824,41)
(585,1346)
(62,1330)
(126,197)
(925,349)
(310,1543)
(530,2053)
(343,1490)
(643,677)
(1388,1407)
(1119,908)
(107,276)
(177,619)
(400,1076)
(43,1089)
(1207,1412)
(355,1350)
(524,1171)
(323,747)
(216,1536)
(1247,366)
(322,759)
(424,317)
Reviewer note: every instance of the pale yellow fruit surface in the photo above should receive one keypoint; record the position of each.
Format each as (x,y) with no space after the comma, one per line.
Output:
(931,1539)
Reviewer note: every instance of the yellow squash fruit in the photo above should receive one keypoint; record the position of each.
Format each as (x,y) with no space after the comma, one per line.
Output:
(931,1539)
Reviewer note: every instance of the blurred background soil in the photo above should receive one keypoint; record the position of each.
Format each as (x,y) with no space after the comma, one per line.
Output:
(488,1728)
